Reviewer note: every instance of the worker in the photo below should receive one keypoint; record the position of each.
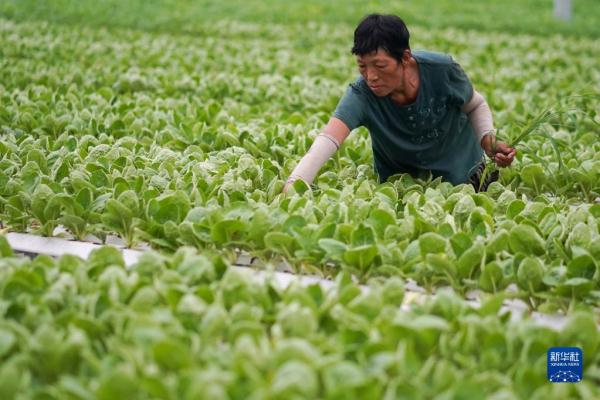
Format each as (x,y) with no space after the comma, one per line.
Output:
(420,108)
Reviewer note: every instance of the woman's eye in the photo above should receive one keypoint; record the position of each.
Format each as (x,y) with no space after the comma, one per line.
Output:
(380,66)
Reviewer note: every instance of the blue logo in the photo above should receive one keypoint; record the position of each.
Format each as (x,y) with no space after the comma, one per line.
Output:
(565,364)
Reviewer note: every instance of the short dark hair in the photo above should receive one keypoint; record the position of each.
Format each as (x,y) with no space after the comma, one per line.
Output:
(376,31)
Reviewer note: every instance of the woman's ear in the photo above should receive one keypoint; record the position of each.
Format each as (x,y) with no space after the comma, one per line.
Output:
(406,56)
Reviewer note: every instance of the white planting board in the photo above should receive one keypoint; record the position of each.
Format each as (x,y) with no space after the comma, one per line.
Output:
(56,247)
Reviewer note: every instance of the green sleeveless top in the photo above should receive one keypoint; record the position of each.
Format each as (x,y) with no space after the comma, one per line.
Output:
(431,134)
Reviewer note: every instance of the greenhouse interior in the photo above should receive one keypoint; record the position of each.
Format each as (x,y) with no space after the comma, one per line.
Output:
(260,199)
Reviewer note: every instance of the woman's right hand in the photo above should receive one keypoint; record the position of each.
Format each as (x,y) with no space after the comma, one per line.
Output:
(325,144)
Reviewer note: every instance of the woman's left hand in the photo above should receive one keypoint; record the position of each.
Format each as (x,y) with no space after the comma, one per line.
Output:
(503,156)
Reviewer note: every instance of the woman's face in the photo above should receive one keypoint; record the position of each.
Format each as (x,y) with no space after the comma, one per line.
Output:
(382,72)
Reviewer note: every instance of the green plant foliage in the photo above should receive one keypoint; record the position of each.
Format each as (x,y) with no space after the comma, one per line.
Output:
(175,124)
(105,331)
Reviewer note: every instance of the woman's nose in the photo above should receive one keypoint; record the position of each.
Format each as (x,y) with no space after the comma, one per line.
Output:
(371,76)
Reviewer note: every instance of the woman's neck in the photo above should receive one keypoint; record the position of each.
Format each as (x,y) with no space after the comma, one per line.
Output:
(408,89)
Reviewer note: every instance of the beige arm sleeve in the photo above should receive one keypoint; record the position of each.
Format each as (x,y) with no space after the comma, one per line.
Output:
(322,148)
(480,116)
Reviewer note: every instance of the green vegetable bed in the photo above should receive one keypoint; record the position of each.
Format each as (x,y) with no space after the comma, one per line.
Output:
(178,132)
(186,326)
